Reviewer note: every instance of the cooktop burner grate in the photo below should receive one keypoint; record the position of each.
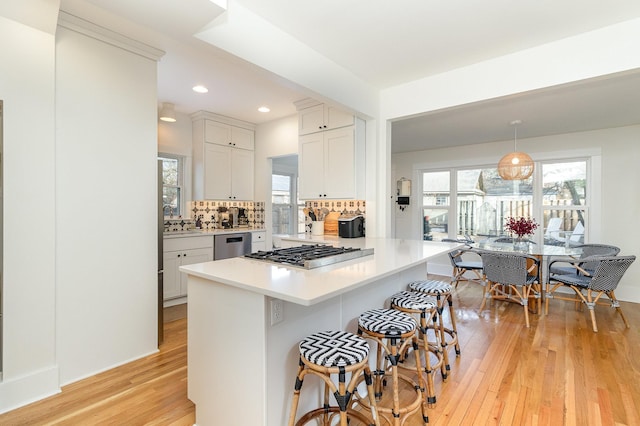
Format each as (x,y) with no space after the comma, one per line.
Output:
(310,256)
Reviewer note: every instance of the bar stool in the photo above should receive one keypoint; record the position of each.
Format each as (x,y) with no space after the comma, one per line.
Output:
(442,291)
(393,331)
(426,307)
(335,352)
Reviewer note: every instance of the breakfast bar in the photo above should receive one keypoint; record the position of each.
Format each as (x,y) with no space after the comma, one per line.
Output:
(246,317)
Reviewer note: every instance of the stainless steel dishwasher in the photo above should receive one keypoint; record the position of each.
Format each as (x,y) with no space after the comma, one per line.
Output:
(231,245)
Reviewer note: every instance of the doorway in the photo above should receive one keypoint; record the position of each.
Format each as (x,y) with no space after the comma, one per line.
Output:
(287,216)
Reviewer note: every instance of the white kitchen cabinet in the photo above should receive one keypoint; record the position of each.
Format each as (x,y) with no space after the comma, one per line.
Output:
(331,163)
(179,252)
(258,241)
(228,173)
(227,135)
(322,117)
(223,158)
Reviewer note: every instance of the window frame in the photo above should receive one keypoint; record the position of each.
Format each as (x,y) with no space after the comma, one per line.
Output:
(295,206)
(593,195)
(180,184)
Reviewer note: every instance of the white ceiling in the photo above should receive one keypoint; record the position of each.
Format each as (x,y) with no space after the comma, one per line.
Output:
(383,43)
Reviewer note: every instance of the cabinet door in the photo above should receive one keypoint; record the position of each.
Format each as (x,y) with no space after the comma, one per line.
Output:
(258,241)
(242,138)
(336,118)
(339,176)
(217,133)
(189,257)
(311,166)
(311,120)
(241,174)
(171,277)
(217,176)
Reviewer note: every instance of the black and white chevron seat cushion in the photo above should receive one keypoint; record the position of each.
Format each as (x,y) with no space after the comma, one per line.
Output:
(431,287)
(414,300)
(388,322)
(334,348)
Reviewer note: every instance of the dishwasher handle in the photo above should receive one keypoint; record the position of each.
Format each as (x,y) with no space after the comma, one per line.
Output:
(234,239)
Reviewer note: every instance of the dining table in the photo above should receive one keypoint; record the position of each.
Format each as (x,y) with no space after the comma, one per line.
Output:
(544,252)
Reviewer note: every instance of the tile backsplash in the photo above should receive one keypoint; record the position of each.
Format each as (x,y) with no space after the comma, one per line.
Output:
(209,212)
(210,215)
(341,206)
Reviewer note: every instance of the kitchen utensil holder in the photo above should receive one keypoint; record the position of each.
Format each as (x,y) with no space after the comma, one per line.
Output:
(317,227)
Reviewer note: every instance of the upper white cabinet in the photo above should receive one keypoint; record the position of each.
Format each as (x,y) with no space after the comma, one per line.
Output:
(320,117)
(223,159)
(331,163)
(227,135)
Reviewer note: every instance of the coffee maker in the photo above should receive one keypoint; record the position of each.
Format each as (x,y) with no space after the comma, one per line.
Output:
(243,220)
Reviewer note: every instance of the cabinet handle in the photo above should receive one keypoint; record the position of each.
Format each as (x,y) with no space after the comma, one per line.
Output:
(185,255)
(179,255)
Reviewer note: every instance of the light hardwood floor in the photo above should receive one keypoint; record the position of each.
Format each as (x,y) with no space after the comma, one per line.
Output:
(557,372)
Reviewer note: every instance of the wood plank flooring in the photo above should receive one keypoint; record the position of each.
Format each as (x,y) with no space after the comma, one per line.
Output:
(556,372)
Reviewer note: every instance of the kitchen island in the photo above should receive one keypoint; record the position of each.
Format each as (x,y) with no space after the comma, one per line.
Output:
(242,359)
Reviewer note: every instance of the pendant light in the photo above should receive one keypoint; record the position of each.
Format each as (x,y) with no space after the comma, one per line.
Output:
(515,165)
(168,112)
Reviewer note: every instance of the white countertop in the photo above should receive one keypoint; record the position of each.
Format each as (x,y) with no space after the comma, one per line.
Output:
(334,240)
(308,287)
(209,232)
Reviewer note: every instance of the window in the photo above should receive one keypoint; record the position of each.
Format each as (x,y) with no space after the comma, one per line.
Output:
(485,200)
(564,200)
(435,205)
(288,215)
(556,196)
(172,184)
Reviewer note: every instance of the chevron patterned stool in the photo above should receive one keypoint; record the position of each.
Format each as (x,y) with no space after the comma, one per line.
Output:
(393,331)
(335,352)
(442,291)
(426,308)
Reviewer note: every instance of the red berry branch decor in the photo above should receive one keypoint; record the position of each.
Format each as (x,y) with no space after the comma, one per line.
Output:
(521,226)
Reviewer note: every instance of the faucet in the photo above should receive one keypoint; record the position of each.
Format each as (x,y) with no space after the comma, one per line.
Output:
(164,208)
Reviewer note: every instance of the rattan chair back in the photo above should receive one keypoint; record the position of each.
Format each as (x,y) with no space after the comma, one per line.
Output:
(609,271)
(589,250)
(507,268)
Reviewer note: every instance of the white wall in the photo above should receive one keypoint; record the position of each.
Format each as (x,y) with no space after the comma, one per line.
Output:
(106,261)
(176,138)
(27,89)
(589,55)
(619,206)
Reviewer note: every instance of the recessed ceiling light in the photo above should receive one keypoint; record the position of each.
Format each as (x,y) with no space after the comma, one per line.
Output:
(264,109)
(200,89)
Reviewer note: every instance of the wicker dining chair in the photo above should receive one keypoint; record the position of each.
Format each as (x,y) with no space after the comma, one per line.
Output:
(512,277)
(564,264)
(461,266)
(590,286)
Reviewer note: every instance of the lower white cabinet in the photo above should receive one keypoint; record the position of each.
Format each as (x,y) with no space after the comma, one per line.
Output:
(178,252)
(258,241)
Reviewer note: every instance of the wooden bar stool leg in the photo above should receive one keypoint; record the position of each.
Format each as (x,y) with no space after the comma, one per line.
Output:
(338,353)
(394,331)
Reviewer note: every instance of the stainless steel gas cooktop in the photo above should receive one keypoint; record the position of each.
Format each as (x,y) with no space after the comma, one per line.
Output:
(310,256)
